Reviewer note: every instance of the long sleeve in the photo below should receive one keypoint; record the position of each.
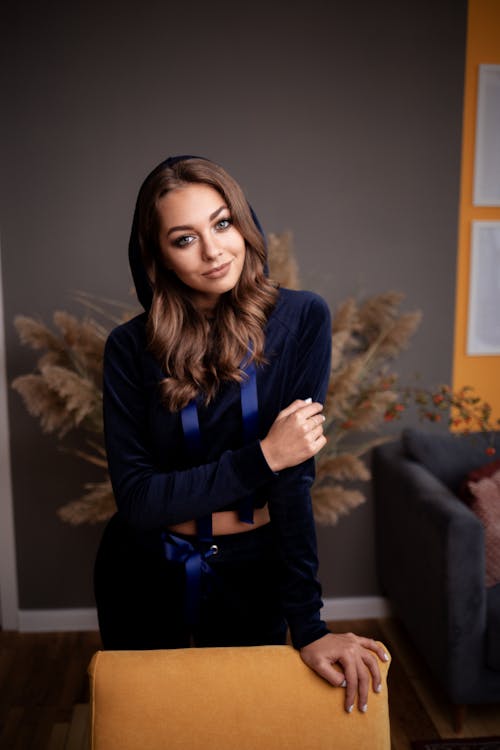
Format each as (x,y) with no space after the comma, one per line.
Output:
(155,487)
(290,504)
(147,496)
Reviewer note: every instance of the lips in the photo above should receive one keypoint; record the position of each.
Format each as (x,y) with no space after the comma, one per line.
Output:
(218,272)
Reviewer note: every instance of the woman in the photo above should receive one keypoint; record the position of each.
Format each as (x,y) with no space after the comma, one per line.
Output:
(212,409)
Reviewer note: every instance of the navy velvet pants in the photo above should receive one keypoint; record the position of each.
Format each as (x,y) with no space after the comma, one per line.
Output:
(140,595)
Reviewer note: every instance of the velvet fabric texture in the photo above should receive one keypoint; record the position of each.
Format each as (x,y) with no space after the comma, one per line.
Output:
(239,603)
(157,482)
(226,699)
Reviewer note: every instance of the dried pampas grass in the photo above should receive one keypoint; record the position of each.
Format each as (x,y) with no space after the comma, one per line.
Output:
(96,505)
(36,334)
(283,267)
(85,338)
(346,319)
(378,313)
(330,502)
(366,337)
(343,389)
(64,392)
(42,402)
(343,466)
(396,336)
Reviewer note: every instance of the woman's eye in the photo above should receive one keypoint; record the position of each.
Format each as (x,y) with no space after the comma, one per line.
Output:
(183,241)
(223,223)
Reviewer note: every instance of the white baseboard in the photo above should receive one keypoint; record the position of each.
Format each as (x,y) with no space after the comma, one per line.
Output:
(59,620)
(355,608)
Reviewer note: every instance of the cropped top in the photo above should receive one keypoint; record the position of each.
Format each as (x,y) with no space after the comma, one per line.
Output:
(154,479)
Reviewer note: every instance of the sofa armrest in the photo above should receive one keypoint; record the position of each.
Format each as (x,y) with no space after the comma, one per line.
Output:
(430,555)
(225,698)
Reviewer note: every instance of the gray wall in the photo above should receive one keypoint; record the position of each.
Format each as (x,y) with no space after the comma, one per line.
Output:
(342,121)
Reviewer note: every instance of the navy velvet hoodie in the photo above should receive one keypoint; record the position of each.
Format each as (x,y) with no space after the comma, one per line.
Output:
(154,480)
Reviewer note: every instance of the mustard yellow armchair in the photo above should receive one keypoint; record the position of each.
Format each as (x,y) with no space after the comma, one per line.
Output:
(245,698)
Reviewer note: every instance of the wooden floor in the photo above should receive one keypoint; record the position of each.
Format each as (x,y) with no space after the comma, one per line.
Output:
(44,692)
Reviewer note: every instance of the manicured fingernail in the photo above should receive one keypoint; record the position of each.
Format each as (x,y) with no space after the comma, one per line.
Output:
(309,400)
(364,708)
(378,689)
(349,709)
(343,684)
(386,657)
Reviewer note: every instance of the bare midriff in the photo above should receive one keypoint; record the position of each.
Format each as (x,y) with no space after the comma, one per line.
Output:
(226,522)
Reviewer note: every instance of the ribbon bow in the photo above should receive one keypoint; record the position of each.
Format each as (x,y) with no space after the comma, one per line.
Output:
(181,551)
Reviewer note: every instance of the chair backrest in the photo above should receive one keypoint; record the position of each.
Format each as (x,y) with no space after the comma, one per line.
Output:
(450,456)
(245,698)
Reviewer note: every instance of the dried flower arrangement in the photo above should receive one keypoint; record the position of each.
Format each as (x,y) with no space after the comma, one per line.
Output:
(65,390)
(366,337)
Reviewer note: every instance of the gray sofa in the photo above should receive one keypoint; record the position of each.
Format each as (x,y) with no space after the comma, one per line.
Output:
(430,558)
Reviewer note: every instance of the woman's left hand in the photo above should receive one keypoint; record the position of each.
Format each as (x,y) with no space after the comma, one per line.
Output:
(357,659)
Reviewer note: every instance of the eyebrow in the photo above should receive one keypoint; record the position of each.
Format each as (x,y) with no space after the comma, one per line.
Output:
(185,227)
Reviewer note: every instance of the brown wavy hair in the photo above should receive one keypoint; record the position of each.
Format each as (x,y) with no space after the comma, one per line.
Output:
(197,354)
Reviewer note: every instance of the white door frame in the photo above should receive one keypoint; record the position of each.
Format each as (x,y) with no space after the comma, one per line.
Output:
(9,604)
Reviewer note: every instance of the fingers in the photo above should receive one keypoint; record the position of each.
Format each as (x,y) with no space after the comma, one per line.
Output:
(295,436)
(316,445)
(351,691)
(315,431)
(330,673)
(376,647)
(359,672)
(372,663)
(310,410)
(337,656)
(292,408)
(314,440)
(306,419)
(306,408)
(357,677)
(358,691)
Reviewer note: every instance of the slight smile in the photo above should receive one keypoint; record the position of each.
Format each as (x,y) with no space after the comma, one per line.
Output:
(218,272)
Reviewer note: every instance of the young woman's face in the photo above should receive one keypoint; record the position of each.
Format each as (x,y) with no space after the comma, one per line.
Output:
(199,242)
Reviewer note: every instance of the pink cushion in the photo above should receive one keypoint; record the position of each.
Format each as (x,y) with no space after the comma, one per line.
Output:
(486,470)
(485,504)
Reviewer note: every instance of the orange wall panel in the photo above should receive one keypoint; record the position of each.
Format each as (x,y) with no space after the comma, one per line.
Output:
(483,47)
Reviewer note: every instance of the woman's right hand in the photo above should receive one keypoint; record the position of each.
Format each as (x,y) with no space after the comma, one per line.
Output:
(295,435)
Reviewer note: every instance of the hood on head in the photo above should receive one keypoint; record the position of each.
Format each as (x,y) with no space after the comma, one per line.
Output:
(142,284)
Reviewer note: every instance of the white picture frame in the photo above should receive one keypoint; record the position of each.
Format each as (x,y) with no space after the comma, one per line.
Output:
(483,334)
(486,191)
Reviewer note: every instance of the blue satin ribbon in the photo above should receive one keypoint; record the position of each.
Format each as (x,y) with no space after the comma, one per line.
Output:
(194,445)
(181,551)
(191,428)
(250,414)
(250,404)
(192,436)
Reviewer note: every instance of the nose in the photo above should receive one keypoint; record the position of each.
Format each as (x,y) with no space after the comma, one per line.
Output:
(210,248)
